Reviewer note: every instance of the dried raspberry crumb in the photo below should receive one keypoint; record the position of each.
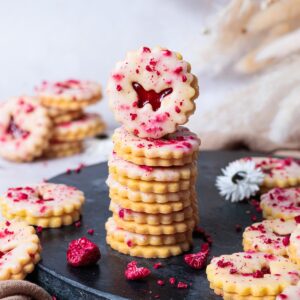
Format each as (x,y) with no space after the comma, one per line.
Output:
(182,285)
(54,298)
(177,109)
(282,296)
(146,50)
(167,52)
(157,265)
(68,171)
(197,260)
(133,116)
(7,223)
(238,227)
(160,282)
(133,272)
(79,168)
(135,132)
(253,218)
(148,68)
(184,78)
(77,224)
(172,280)
(118,88)
(178,70)
(129,243)
(121,213)
(82,252)
(286,241)
(91,231)
(297,219)
(39,229)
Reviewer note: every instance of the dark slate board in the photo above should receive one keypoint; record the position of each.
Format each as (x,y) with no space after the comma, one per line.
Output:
(106,280)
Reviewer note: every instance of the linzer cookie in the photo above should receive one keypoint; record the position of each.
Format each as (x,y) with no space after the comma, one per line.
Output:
(269,236)
(25,129)
(42,201)
(131,238)
(61,116)
(19,250)
(176,149)
(69,94)
(152,91)
(281,203)
(88,125)
(251,274)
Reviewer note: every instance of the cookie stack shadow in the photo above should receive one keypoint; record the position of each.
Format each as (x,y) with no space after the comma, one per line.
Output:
(152,191)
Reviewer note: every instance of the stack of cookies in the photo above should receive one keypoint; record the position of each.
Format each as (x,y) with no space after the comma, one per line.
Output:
(153,168)
(65,102)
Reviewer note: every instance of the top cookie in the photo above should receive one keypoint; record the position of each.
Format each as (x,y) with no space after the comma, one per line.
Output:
(152,92)
(69,94)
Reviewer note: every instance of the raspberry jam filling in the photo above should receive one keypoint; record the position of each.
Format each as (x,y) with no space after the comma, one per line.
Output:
(15,131)
(151,97)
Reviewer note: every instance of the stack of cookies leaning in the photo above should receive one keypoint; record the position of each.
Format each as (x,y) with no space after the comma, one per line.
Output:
(153,167)
(51,124)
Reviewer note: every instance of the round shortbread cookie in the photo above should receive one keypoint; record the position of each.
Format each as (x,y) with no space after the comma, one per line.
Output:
(42,200)
(69,94)
(152,92)
(151,208)
(269,236)
(45,222)
(61,116)
(151,219)
(162,251)
(63,149)
(122,191)
(294,246)
(281,203)
(130,170)
(252,274)
(176,149)
(18,246)
(154,186)
(175,227)
(130,238)
(88,125)
(25,129)
(278,172)
(290,293)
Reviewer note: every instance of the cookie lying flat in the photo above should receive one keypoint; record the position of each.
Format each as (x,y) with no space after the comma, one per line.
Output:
(294,246)
(60,116)
(124,168)
(252,274)
(290,293)
(25,129)
(121,191)
(69,94)
(151,219)
(88,125)
(19,250)
(176,149)
(162,251)
(152,92)
(131,238)
(281,203)
(42,201)
(269,236)
(63,149)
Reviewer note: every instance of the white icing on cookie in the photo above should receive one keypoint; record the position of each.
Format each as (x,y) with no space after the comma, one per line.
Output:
(42,200)
(152,92)
(290,293)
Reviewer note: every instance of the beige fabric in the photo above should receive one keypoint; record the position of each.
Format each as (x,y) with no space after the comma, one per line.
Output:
(22,290)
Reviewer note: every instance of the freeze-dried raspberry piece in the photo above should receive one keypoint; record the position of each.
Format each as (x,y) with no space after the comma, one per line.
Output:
(197,260)
(133,272)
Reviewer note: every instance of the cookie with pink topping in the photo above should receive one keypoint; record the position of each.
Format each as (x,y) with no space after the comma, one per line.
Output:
(71,94)
(281,203)
(175,149)
(251,274)
(25,129)
(152,91)
(269,236)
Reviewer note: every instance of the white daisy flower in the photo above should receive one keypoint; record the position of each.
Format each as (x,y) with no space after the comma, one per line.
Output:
(240,180)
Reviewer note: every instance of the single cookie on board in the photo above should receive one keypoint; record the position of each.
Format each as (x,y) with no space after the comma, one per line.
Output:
(151,219)
(131,238)
(88,125)
(63,149)
(281,203)
(175,227)
(279,172)
(162,251)
(19,249)
(294,246)
(42,200)
(252,274)
(130,170)
(69,94)
(60,116)
(176,149)
(45,222)
(121,191)
(151,208)
(152,91)
(290,293)
(25,129)
(269,236)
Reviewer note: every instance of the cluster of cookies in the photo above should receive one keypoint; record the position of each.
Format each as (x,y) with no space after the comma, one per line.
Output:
(153,168)
(51,124)
(270,264)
